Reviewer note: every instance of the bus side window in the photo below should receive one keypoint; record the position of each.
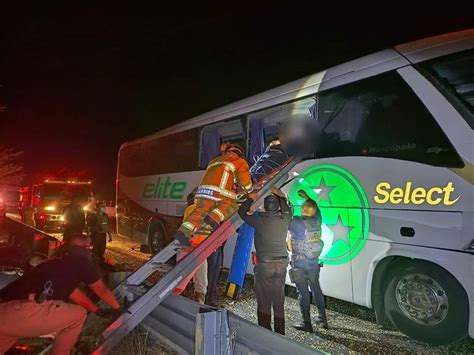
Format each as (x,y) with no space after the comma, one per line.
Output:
(213,135)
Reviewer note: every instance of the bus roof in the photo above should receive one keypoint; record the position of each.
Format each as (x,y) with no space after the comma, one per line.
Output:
(369,65)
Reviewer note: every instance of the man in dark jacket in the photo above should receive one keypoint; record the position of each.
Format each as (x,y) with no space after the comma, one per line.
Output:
(271,228)
(306,246)
(74,218)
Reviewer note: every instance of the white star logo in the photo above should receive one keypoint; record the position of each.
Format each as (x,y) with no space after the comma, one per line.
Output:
(323,191)
(340,231)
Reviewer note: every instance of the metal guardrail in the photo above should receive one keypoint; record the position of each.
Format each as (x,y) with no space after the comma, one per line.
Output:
(173,323)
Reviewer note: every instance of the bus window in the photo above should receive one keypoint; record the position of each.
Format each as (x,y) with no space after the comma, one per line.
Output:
(213,136)
(453,75)
(264,126)
(380,116)
(169,154)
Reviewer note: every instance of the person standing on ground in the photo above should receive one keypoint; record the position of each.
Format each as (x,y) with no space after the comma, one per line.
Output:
(98,225)
(271,229)
(74,219)
(306,246)
(37,303)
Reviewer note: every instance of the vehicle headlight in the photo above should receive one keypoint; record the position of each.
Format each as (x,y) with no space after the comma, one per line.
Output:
(50,208)
(61,218)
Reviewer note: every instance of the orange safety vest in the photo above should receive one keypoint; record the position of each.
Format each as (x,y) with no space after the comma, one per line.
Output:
(222,175)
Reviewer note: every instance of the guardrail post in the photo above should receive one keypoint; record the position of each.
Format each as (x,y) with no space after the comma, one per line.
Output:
(212,333)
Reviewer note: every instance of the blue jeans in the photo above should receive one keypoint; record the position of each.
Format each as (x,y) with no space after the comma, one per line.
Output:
(305,275)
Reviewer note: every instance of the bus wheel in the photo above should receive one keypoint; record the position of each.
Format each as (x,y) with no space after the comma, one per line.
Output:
(426,303)
(156,238)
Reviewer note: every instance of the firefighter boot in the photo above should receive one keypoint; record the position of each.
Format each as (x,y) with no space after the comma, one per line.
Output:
(322,319)
(199,297)
(264,320)
(305,324)
(279,325)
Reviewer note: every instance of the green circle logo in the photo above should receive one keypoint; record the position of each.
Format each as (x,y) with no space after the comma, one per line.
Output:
(344,210)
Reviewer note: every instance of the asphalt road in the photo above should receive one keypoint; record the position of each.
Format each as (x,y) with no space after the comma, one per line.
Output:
(352,328)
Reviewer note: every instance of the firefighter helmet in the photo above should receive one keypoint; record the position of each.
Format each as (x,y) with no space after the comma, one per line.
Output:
(232,147)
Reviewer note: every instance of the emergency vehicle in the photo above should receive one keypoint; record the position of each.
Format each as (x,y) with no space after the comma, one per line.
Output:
(391,171)
(49,198)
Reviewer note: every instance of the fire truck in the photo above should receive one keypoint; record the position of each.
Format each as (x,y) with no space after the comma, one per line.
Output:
(48,199)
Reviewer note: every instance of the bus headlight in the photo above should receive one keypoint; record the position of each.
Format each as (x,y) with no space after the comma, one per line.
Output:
(50,208)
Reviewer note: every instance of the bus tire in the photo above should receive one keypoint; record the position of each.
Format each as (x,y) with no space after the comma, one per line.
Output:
(156,238)
(426,302)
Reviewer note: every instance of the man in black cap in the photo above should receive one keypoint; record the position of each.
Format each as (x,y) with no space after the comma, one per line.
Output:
(271,228)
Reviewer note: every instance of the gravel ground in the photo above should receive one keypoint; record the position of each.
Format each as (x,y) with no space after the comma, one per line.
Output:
(352,328)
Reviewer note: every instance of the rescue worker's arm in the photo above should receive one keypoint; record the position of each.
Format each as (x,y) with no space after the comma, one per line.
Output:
(101,290)
(80,298)
(242,176)
(243,209)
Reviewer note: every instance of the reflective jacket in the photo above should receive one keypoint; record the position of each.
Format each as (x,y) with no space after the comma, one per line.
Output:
(198,236)
(222,175)
(306,240)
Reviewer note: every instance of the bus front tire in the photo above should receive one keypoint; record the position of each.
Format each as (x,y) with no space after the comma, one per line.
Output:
(426,302)
(156,238)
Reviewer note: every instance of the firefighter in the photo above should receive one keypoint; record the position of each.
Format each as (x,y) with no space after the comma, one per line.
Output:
(37,303)
(98,226)
(216,200)
(199,275)
(74,219)
(271,229)
(216,197)
(306,246)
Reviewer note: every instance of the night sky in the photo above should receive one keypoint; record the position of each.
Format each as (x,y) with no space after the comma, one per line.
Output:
(78,82)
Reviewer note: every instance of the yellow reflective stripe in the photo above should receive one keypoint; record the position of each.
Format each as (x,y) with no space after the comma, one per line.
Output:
(218,213)
(189,226)
(225,178)
(209,197)
(228,165)
(248,187)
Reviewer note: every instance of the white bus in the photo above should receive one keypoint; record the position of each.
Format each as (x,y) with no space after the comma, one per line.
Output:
(392,174)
